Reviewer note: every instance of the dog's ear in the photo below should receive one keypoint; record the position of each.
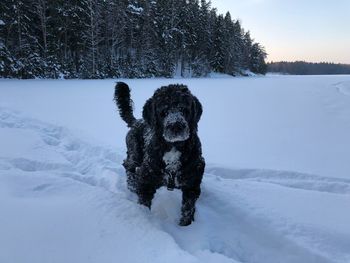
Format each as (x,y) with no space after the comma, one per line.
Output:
(148,112)
(196,110)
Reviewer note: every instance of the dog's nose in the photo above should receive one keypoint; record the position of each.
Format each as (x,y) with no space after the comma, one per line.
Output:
(177,127)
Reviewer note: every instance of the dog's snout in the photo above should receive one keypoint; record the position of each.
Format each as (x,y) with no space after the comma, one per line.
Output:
(175,127)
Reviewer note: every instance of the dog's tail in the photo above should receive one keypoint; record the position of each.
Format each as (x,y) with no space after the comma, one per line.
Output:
(124,103)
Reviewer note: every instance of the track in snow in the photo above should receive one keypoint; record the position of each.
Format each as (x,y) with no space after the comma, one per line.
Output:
(343,87)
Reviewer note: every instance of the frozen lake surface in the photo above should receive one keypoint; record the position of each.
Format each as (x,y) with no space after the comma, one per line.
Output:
(276,187)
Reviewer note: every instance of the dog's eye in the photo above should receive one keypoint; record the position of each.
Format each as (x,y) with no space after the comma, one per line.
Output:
(163,113)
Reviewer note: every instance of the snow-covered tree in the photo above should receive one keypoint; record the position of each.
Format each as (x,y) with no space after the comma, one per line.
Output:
(257,59)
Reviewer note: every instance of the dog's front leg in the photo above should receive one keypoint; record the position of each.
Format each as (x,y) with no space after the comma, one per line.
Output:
(147,184)
(145,195)
(189,198)
(193,174)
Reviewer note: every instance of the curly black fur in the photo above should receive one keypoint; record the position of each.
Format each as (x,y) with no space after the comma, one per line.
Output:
(124,103)
(163,148)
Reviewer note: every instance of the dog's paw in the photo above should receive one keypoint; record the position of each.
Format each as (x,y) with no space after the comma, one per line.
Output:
(185,221)
(146,203)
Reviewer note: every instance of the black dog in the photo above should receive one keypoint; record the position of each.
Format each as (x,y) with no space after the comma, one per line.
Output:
(163,148)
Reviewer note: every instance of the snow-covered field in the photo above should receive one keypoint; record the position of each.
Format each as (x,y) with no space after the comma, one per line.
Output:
(276,188)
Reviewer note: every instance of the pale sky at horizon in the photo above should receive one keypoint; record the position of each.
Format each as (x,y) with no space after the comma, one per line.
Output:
(290,30)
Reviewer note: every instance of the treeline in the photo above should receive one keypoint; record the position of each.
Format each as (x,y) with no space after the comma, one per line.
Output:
(307,68)
(122,38)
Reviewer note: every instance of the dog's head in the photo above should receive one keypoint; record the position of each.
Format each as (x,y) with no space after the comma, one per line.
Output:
(173,111)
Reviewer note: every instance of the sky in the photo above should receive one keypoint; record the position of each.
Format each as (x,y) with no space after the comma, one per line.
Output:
(310,30)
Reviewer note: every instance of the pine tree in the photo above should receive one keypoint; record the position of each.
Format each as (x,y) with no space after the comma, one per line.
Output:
(147,37)
(165,21)
(116,47)
(229,49)
(8,66)
(201,65)
(257,59)
(91,35)
(238,45)
(218,53)
(246,51)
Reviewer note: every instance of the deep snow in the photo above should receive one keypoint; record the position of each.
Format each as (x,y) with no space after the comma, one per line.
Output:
(276,188)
